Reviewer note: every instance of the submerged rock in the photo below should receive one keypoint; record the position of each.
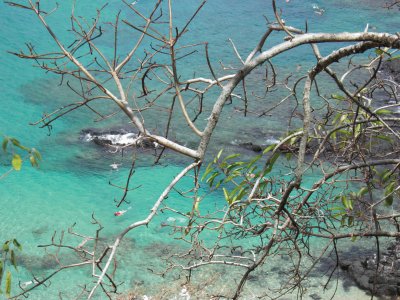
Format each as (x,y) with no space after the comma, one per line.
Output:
(380,278)
(116,138)
(391,69)
(251,146)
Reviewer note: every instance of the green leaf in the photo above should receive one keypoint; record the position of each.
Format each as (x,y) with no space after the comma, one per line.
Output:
(385,138)
(8,284)
(15,142)
(389,193)
(394,57)
(16,162)
(340,208)
(390,188)
(210,180)
(208,171)
(241,193)
(13,259)
(5,143)
(269,148)
(17,244)
(226,195)
(357,130)
(384,112)
(253,161)
(219,153)
(389,200)
(338,97)
(232,156)
(271,162)
(343,131)
(33,161)
(347,202)
(6,246)
(36,154)
(1,270)
(363,191)
(386,176)
(350,221)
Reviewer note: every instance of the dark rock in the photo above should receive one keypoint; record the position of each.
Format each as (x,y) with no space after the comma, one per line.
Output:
(345,264)
(380,279)
(315,297)
(116,138)
(251,146)
(257,148)
(391,69)
(101,142)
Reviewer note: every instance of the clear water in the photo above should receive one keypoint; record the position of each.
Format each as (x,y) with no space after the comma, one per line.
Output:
(72,181)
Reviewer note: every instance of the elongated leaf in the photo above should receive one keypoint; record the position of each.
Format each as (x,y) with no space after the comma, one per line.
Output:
(384,112)
(386,176)
(385,138)
(271,163)
(226,195)
(15,142)
(389,200)
(232,156)
(16,162)
(5,143)
(269,148)
(36,154)
(13,259)
(363,191)
(219,154)
(208,171)
(6,246)
(338,97)
(350,221)
(17,244)
(394,57)
(390,188)
(210,180)
(33,161)
(8,284)
(254,160)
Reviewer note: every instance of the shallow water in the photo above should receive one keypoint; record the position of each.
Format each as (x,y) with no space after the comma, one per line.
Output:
(72,182)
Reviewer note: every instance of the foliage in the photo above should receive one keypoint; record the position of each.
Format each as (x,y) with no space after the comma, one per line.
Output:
(330,177)
(8,255)
(13,147)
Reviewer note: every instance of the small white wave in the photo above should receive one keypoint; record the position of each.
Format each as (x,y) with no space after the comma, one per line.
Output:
(120,139)
(88,137)
(271,141)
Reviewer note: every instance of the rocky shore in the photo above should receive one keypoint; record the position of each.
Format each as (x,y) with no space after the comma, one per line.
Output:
(379,277)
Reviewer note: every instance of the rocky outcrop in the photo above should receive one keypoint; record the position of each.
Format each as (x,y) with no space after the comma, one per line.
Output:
(116,138)
(251,146)
(284,148)
(391,68)
(378,278)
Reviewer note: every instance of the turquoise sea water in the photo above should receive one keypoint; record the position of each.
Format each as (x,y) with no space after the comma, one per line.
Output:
(72,181)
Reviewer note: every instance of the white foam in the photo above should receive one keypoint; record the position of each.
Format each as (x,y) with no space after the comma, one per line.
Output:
(120,139)
(272,141)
